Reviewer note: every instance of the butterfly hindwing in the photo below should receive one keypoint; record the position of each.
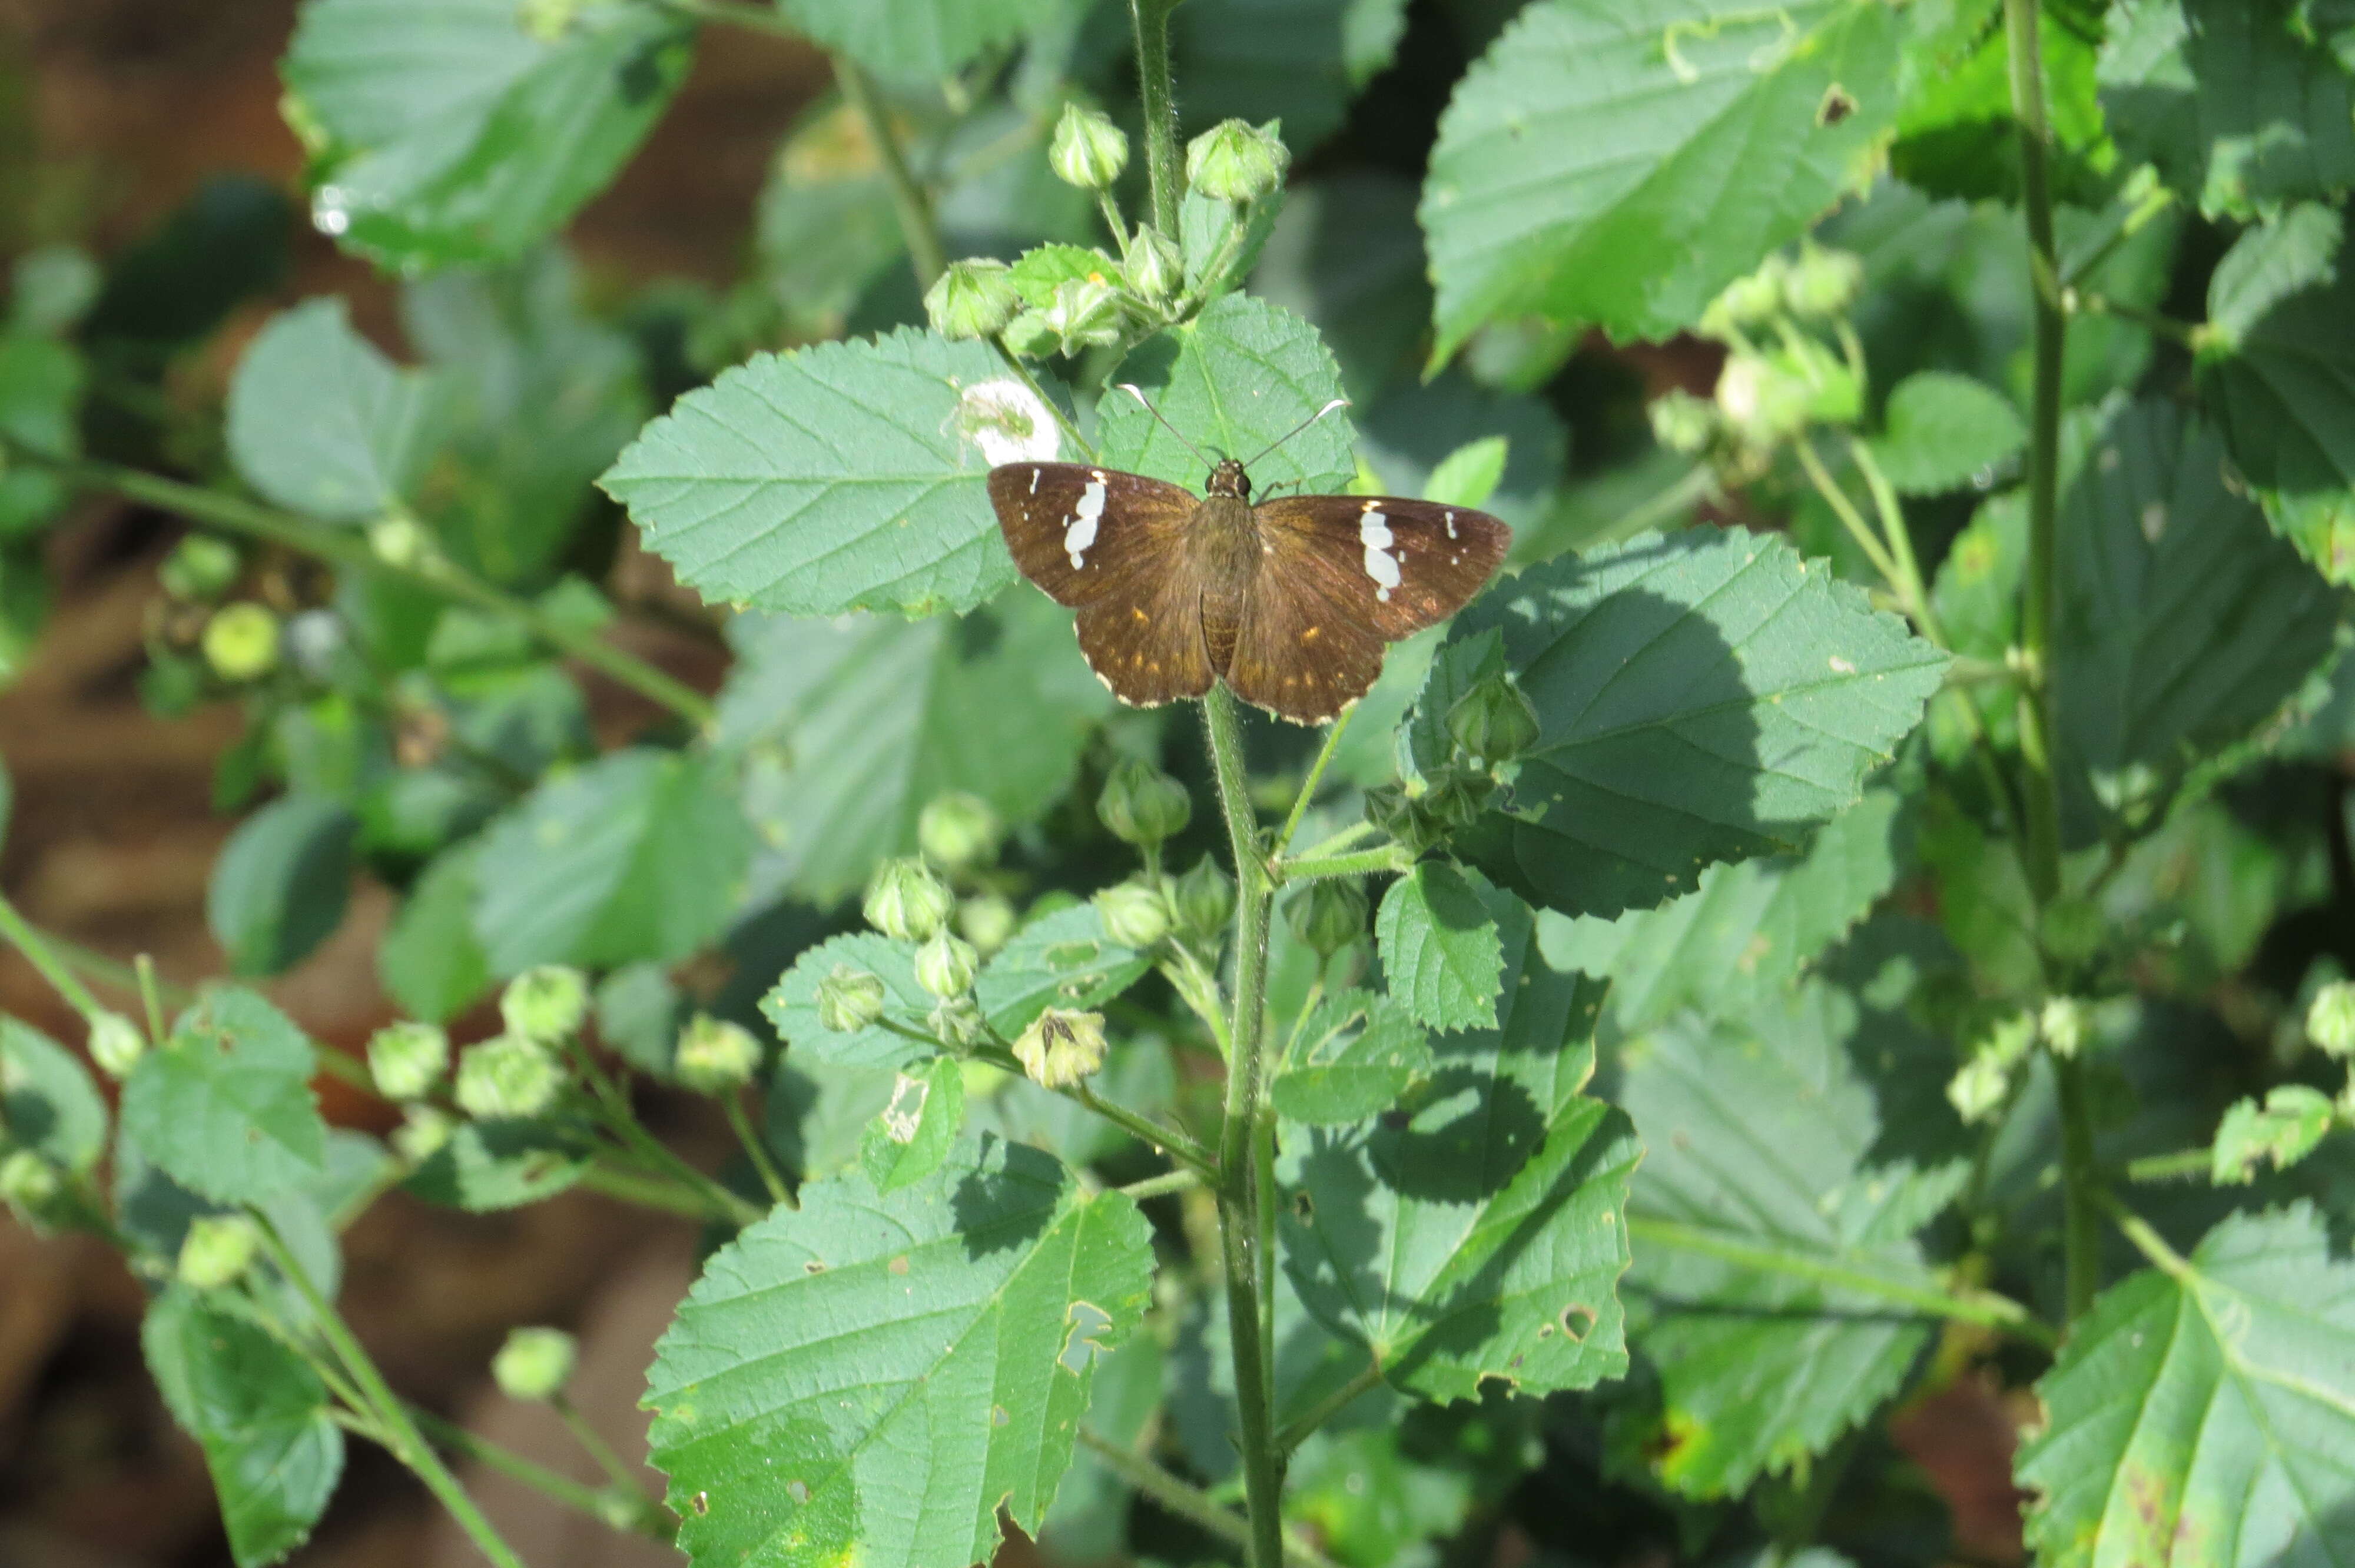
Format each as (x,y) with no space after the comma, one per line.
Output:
(1081,533)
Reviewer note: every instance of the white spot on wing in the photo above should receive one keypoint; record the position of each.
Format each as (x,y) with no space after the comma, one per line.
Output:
(1035,475)
(1451,520)
(1083,530)
(1374,534)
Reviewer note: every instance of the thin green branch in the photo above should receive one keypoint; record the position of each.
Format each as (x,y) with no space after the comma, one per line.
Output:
(2149,1243)
(658,1193)
(1167,1141)
(1301,803)
(27,940)
(1190,1502)
(2082,1193)
(755,1151)
(618,1117)
(2157,322)
(910,201)
(1182,1179)
(2184,1163)
(1311,1421)
(1364,862)
(1337,843)
(1844,510)
(610,1506)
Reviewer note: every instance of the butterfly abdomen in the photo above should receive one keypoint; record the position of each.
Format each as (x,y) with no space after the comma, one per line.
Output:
(1226,551)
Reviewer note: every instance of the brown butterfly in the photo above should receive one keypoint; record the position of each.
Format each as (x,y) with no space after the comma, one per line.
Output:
(1289,601)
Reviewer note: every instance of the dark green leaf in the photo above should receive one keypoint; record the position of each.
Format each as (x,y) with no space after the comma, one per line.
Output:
(1088,1521)
(885,1374)
(792,1005)
(1299,62)
(1345,254)
(640,855)
(226,245)
(909,1139)
(429,960)
(453,134)
(224,1105)
(1704,697)
(2202,1413)
(1942,431)
(40,400)
(491,1165)
(1413,430)
(259,1414)
(1064,959)
(48,1102)
(1483,1238)
(915,41)
(1355,1055)
(322,423)
(1619,165)
(1957,135)
(282,881)
(1439,948)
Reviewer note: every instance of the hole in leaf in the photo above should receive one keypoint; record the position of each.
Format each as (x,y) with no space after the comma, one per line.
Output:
(1577,1319)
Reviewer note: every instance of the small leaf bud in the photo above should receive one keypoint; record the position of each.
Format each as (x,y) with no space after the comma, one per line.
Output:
(1978,1089)
(2064,1022)
(946,964)
(1086,312)
(1135,914)
(958,1024)
(1328,915)
(534,1364)
(2330,1019)
(1746,302)
(1061,1047)
(1762,399)
(1089,151)
(972,298)
(422,1132)
(907,901)
(401,542)
(1233,161)
(547,1003)
(987,921)
(29,1184)
(958,830)
(218,1250)
(408,1059)
(848,1000)
(715,1055)
(1032,335)
(116,1045)
(1822,283)
(1155,270)
(199,567)
(240,641)
(1204,900)
(1682,422)
(507,1077)
(1493,721)
(1142,805)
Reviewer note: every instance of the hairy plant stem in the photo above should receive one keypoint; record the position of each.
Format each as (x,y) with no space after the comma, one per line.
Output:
(1246,1213)
(1156,88)
(386,1408)
(63,981)
(740,1123)
(2080,1176)
(1364,862)
(910,201)
(1188,1501)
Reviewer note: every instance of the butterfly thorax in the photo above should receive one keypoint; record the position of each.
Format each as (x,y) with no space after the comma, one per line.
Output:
(1226,548)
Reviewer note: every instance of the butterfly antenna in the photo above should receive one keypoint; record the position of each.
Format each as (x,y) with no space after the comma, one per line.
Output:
(1335,403)
(1131,390)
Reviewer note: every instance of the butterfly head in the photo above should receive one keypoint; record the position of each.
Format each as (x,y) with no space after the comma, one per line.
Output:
(1229,479)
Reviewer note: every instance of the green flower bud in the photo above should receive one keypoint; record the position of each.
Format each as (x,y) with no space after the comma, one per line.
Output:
(116,1045)
(240,641)
(218,1250)
(1493,721)
(1032,335)
(534,1364)
(972,298)
(959,830)
(958,1024)
(1327,915)
(408,1059)
(848,1000)
(1822,283)
(1979,1089)
(1089,151)
(547,1003)
(1204,900)
(1406,818)
(29,1184)
(987,921)
(1155,268)
(1061,1047)
(2330,1019)
(1682,422)
(1135,914)
(401,542)
(907,901)
(1142,805)
(1086,312)
(1746,302)
(548,20)
(199,567)
(715,1055)
(422,1132)
(2064,1022)
(1235,161)
(946,964)
(507,1077)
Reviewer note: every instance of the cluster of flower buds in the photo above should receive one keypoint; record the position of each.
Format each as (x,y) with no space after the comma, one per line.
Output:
(1327,915)
(1778,377)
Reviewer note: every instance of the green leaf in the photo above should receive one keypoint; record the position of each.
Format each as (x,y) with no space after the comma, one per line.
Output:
(1618,164)
(259,1414)
(2237,110)
(429,960)
(2202,1412)
(640,855)
(322,423)
(1356,1055)
(1412,432)
(1064,959)
(48,1102)
(1744,932)
(1704,697)
(1955,135)
(2284,1130)
(916,42)
(1299,62)
(845,476)
(1440,952)
(851,726)
(2183,622)
(826,230)
(1345,255)
(41,383)
(1469,475)
(455,135)
(912,1135)
(2271,263)
(791,1004)
(1942,431)
(883,1373)
(487,1166)
(282,881)
(1481,1239)
(1757,1132)
(1089,1519)
(1237,378)
(224,1105)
